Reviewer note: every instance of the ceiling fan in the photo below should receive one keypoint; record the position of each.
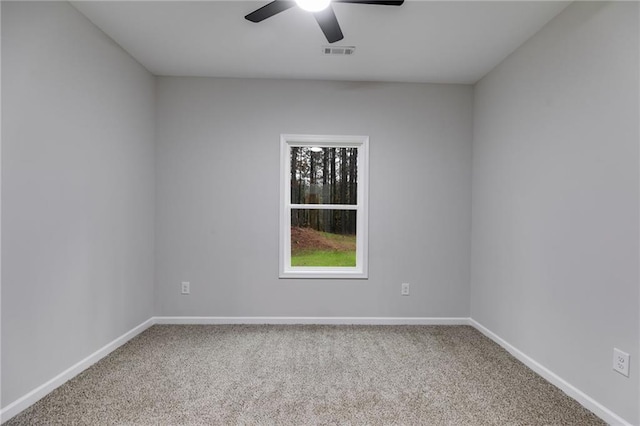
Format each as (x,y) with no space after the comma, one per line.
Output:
(321,10)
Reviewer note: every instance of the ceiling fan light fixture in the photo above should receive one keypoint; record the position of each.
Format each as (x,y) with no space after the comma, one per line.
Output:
(313,5)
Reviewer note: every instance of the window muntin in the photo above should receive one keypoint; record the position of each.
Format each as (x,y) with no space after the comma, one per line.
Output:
(323,218)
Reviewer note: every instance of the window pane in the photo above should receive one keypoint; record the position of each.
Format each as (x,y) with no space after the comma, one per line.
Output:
(324,175)
(323,237)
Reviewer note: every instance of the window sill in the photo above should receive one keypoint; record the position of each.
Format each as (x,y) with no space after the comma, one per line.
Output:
(320,274)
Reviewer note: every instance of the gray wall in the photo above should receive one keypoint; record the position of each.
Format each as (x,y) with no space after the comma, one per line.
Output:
(218,196)
(555,200)
(77,192)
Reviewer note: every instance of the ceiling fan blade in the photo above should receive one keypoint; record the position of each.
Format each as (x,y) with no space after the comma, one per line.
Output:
(270,9)
(329,24)
(379,2)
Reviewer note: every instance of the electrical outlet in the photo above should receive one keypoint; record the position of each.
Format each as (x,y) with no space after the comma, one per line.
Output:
(621,362)
(186,287)
(405,289)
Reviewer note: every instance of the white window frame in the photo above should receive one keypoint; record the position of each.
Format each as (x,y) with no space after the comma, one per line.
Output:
(360,271)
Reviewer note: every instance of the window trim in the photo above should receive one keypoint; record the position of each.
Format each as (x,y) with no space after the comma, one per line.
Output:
(360,271)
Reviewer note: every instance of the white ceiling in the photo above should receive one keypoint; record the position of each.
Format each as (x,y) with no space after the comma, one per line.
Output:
(421,41)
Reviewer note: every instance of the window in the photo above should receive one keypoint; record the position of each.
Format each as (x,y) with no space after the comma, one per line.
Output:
(323,206)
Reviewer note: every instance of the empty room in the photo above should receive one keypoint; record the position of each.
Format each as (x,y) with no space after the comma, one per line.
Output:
(303,212)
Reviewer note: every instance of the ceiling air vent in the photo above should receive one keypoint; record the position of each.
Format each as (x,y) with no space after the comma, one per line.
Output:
(338,50)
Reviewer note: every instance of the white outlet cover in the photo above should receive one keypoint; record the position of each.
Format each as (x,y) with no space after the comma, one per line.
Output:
(185,287)
(621,362)
(405,289)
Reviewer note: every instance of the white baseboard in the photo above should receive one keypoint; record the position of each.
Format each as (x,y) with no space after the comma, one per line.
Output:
(585,400)
(313,320)
(32,397)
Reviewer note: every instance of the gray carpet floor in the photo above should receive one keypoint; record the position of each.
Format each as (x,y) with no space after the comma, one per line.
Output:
(308,374)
